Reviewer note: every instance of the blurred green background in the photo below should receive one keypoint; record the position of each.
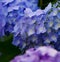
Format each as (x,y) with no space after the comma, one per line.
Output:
(7,49)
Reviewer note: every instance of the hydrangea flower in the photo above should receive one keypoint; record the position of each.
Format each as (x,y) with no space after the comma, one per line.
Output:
(14,9)
(37,28)
(28,28)
(20,4)
(41,54)
(30,25)
(2,19)
(52,25)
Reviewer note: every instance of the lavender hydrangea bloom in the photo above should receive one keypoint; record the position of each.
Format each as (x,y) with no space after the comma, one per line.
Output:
(41,54)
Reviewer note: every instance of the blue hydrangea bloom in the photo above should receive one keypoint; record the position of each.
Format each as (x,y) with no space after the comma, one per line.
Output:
(38,27)
(52,25)
(3,14)
(27,29)
(14,9)
(30,25)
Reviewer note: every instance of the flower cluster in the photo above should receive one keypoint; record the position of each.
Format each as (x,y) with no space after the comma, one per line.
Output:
(30,25)
(41,54)
(2,19)
(40,27)
(52,25)
(11,10)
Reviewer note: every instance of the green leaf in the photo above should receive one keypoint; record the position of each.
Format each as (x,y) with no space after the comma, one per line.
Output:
(8,50)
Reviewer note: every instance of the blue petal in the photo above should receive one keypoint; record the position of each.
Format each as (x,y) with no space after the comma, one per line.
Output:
(48,8)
